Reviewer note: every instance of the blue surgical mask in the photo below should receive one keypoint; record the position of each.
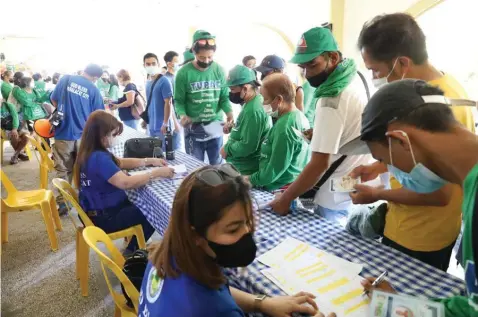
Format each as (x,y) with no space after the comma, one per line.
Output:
(421,179)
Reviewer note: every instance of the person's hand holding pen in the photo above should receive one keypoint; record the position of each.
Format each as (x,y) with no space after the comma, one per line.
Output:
(372,283)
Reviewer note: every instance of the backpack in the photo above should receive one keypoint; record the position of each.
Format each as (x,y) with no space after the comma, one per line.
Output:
(134,268)
(138,106)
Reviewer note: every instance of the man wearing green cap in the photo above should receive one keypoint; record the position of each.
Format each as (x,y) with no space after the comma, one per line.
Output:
(340,95)
(202,97)
(188,56)
(243,149)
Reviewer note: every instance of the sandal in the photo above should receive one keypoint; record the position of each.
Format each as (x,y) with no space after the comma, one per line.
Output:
(23,157)
(14,160)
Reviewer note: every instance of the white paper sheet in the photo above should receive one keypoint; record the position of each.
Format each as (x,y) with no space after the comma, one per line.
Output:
(179,169)
(138,172)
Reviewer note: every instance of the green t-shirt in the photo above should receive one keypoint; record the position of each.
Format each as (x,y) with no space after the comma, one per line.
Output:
(309,102)
(30,104)
(284,153)
(461,306)
(8,109)
(201,95)
(104,88)
(6,89)
(40,87)
(243,148)
(114,93)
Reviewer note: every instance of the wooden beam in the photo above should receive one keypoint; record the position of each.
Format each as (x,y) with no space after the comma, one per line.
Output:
(422,6)
(337,12)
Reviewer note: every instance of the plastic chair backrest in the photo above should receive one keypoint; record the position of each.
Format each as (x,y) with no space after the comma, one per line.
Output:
(45,159)
(92,236)
(70,195)
(9,187)
(45,145)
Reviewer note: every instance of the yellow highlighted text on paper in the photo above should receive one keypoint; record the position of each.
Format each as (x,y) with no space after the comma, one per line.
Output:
(355,307)
(320,277)
(296,252)
(347,296)
(333,285)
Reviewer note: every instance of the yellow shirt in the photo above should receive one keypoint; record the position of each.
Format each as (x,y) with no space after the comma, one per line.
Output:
(430,228)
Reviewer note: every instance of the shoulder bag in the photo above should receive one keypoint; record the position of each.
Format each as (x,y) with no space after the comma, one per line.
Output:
(145,115)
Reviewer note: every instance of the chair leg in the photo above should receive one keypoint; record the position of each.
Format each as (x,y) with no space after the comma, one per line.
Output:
(1,151)
(84,266)
(117,311)
(28,151)
(55,214)
(46,212)
(4,227)
(78,258)
(43,177)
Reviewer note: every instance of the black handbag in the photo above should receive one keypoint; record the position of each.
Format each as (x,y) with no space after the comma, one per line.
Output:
(134,268)
(143,147)
(145,115)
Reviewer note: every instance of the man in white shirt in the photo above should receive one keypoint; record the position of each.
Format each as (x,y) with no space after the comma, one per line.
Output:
(341,96)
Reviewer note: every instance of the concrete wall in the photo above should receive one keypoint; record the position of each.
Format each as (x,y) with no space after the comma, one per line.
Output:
(357,12)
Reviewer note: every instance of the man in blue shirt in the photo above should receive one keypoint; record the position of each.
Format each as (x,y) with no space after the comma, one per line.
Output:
(76,97)
(160,109)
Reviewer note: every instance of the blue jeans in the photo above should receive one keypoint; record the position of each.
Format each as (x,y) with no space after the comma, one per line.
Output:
(211,147)
(122,217)
(339,216)
(132,123)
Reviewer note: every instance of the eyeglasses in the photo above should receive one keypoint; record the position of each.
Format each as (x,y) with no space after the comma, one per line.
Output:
(216,176)
(204,42)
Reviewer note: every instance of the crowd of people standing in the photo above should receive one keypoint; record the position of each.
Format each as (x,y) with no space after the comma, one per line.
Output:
(288,138)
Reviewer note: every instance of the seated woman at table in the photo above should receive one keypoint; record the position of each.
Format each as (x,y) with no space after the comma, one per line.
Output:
(102,182)
(185,275)
(284,153)
(243,149)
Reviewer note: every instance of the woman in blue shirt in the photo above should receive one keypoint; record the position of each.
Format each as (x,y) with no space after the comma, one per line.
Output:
(126,101)
(210,228)
(102,182)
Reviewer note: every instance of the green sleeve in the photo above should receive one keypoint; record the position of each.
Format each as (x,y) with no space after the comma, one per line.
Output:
(458,306)
(180,90)
(6,89)
(20,96)
(14,114)
(43,96)
(114,93)
(251,127)
(280,160)
(224,102)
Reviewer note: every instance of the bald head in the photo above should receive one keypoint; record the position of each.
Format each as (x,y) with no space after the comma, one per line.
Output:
(278,84)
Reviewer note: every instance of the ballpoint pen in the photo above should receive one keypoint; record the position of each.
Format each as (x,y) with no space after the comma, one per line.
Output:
(377,281)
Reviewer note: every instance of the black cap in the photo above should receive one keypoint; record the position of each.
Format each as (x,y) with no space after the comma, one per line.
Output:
(269,63)
(392,102)
(94,70)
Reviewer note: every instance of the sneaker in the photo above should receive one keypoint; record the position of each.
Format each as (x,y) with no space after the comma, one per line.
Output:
(62,209)
(23,157)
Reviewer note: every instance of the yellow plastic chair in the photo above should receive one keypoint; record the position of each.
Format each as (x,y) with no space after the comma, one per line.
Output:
(94,235)
(30,200)
(82,251)
(46,163)
(5,138)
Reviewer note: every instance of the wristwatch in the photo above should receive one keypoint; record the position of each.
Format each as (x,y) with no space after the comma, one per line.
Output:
(257,300)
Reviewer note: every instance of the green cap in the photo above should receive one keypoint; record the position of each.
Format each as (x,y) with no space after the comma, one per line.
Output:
(313,43)
(202,35)
(187,56)
(240,75)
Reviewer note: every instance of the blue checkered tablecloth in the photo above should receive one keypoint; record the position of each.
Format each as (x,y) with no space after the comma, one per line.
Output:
(408,275)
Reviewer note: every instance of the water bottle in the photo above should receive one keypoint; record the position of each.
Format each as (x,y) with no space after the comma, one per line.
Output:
(169,145)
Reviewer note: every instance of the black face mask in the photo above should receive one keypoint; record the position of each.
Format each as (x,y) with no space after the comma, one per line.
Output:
(319,79)
(235,97)
(239,254)
(204,64)
(11,80)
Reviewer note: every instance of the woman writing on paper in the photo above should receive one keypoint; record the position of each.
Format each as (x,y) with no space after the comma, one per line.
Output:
(284,153)
(102,182)
(185,274)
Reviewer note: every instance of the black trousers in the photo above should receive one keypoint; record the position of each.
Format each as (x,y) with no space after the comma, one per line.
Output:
(439,259)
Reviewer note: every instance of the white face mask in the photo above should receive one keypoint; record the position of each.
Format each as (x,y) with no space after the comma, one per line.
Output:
(176,67)
(152,70)
(268,109)
(380,82)
(32,84)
